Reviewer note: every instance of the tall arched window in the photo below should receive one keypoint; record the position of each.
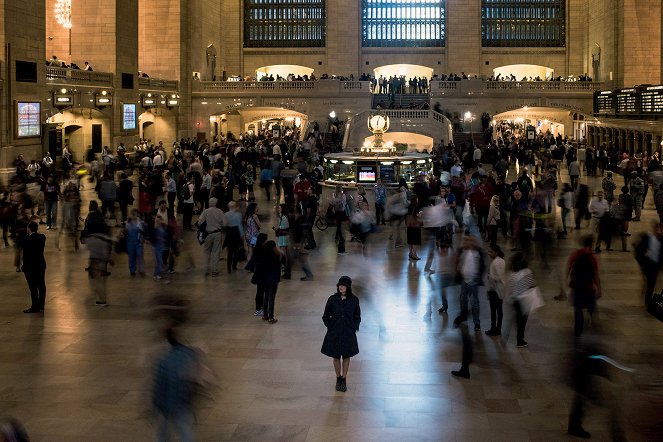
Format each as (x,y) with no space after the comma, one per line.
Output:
(523,23)
(403,23)
(284,23)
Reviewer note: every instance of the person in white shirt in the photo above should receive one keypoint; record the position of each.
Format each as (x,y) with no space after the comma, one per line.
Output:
(157,161)
(456,170)
(47,161)
(213,216)
(598,208)
(477,155)
(470,267)
(495,289)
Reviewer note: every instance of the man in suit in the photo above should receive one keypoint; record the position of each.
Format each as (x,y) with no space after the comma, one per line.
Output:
(34,267)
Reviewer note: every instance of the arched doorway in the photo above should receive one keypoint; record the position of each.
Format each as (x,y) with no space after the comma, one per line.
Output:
(83,128)
(283,70)
(546,121)
(523,72)
(157,124)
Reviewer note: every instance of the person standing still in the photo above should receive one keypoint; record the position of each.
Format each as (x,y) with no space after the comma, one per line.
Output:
(34,267)
(342,317)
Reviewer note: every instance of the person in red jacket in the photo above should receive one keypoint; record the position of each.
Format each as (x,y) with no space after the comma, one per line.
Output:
(480,202)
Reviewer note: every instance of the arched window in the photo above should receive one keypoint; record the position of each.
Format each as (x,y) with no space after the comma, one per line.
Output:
(284,23)
(403,23)
(523,23)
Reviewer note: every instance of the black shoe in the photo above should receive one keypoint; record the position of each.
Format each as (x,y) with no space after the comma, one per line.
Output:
(101,303)
(579,432)
(462,373)
(31,310)
(344,386)
(459,319)
(338,383)
(521,344)
(493,332)
(477,328)
(442,310)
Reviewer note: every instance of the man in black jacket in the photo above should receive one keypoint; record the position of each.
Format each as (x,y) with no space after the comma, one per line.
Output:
(34,267)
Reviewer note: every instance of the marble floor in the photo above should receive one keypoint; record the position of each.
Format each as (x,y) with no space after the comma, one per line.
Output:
(83,373)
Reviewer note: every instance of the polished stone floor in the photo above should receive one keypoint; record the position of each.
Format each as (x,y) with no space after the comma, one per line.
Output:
(83,373)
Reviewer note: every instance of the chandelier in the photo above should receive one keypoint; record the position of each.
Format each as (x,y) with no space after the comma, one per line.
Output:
(63,13)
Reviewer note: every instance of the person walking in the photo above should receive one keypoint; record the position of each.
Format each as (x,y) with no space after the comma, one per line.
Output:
(518,283)
(470,268)
(599,209)
(342,317)
(413,228)
(494,219)
(99,244)
(649,255)
(566,204)
(251,229)
(380,199)
(51,191)
(637,185)
(583,279)
(282,232)
(34,267)
(125,195)
(234,232)
(257,277)
(135,229)
(269,269)
(213,218)
(495,289)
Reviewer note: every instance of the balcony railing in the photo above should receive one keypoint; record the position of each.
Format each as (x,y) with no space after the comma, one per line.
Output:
(78,77)
(483,87)
(158,84)
(303,87)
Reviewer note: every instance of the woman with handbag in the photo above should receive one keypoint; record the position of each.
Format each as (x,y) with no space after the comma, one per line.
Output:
(282,232)
(413,224)
(518,290)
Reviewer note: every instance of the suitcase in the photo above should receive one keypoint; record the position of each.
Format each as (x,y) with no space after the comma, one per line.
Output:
(655,307)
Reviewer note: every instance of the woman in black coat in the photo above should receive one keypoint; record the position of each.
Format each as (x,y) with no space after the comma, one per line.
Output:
(341,317)
(268,268)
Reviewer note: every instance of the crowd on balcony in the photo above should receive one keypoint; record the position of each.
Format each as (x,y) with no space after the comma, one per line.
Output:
(512,77)
(56,62)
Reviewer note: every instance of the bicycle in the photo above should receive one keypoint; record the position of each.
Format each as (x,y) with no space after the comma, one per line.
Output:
(321,223)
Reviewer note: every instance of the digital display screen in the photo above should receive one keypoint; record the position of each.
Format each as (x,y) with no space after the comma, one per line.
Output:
(387,173)
(367,174)
(128,116)
(28,119)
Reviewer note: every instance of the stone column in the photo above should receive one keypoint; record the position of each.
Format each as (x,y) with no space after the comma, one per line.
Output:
(22,31)
(463,25)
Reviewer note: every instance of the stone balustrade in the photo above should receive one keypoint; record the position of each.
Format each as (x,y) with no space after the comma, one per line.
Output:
(158,84)
(483,87)
(72,77)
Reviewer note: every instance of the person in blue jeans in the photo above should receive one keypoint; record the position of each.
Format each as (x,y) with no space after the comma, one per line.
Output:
(470,269)
(135,231)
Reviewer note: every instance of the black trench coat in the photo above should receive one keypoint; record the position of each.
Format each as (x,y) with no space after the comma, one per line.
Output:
(342,318)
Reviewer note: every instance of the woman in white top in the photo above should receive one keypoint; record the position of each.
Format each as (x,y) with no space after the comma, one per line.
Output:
(520,281)
(495,289)
(494,218)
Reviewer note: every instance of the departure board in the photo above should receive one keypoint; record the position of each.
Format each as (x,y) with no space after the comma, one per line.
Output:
(627,101)
(651,100)
(604,102)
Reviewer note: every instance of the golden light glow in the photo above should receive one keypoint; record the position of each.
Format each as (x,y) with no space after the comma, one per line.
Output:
(63,13)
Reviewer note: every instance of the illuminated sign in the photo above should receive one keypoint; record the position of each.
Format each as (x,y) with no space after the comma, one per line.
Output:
(148,102)
(28,119)
(129,116)
(64,100)
(606,92)
(654,88)
(173,102)
(103,100)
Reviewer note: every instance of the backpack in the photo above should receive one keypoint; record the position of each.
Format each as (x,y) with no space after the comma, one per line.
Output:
(186,191)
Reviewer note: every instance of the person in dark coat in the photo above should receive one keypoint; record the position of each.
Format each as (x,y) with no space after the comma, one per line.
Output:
(268,268)
(34,267)
(341,317)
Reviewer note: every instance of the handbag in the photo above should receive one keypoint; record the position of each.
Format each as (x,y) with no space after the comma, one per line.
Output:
(531,300)
(121,243)
(412,221)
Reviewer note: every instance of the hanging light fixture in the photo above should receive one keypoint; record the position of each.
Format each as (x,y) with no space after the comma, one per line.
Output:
(63,13)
